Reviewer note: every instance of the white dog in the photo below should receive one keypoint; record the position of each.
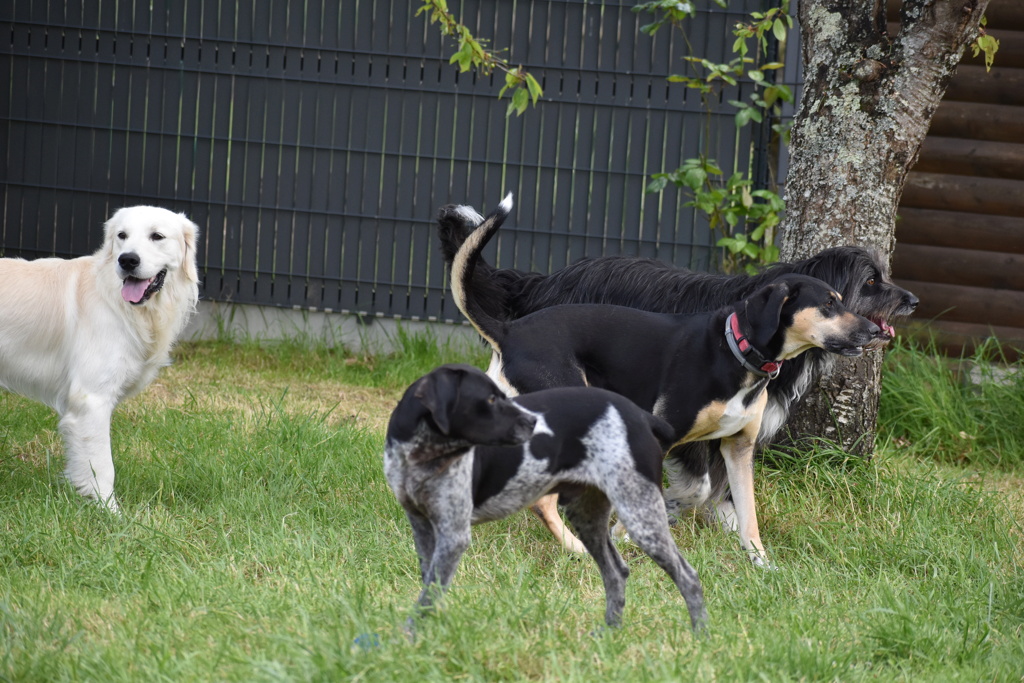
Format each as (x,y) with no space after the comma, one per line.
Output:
(82,335)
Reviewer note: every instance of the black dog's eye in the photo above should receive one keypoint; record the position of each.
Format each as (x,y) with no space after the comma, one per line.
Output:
(122,235)
(828,304)
(492,399)
(870,282)
(156,237)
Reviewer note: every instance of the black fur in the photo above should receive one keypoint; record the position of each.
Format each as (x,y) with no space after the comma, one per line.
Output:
(684,367)
(858,274)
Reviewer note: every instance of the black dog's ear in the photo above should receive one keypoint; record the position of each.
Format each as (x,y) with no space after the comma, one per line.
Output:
(763,310)
(437,392)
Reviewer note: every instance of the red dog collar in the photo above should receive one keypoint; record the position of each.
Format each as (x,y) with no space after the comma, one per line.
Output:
(741,348)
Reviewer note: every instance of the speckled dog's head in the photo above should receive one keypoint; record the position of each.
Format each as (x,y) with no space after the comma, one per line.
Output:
(457,406)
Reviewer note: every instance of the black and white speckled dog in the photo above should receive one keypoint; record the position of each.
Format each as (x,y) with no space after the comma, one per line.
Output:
(458,453)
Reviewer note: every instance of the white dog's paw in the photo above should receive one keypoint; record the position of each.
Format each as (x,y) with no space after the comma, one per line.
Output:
(109,503)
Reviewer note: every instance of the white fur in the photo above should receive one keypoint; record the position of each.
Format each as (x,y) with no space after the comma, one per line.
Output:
(68,339)
(470,215)
(739,412)
(776,412)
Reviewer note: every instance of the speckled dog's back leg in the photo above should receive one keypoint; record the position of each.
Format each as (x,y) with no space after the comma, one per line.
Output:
(643,515)
(589,515)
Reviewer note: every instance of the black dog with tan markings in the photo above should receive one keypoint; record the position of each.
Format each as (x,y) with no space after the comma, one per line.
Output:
(860,275)
(706,374)
(458,453)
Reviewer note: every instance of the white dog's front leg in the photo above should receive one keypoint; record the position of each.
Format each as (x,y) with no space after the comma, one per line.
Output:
(85,426)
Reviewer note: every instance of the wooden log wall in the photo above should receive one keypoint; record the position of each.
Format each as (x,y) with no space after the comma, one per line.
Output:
(960,233)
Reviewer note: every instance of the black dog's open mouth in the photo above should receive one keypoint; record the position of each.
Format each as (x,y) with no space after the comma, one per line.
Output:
(887,335)
(136,291)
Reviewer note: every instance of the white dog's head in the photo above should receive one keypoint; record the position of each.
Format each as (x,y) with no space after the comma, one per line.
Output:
(148,244)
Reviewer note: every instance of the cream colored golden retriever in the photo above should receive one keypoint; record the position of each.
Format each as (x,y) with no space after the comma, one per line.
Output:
(81,335)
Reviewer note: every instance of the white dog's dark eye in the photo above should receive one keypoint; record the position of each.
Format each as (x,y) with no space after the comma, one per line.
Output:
(156,237)
(122,235)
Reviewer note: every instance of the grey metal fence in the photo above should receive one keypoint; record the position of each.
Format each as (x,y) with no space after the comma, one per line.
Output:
(313,142)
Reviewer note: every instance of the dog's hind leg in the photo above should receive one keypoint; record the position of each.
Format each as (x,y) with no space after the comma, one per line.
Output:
(547,509)
(689,484)
(589,515)
(723,514)
(89,466)
(642,511)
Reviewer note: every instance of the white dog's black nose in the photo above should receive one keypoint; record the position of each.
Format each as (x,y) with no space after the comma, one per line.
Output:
(128,261)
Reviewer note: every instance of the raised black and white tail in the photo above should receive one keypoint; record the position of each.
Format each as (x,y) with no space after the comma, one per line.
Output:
(490,328)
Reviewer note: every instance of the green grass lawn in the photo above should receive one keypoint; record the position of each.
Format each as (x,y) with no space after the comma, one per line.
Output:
(259,541)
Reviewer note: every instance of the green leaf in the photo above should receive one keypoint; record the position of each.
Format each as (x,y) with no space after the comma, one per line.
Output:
(728,243)
(659,183)
(694,178)
(534,87)
(987,44)
(512,80)
(706,204)
(779,29)
(464,59)
(746,199)
(740,46)
(520,100)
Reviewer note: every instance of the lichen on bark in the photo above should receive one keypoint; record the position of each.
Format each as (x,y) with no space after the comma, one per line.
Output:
(857,133)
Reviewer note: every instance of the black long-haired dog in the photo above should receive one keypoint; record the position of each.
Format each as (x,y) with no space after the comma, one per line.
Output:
(859,275)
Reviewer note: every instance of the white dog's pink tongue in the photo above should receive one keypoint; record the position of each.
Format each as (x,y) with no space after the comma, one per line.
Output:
(134,290)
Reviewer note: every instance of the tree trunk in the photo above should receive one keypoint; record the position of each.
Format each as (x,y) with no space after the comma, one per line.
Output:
(866,106)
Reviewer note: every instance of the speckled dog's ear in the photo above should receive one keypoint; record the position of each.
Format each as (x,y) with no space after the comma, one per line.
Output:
(437,392)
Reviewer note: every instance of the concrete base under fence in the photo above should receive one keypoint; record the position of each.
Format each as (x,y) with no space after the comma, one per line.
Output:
(215,320)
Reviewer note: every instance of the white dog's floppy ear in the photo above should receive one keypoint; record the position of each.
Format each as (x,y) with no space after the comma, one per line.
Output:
(109,228)
(190,236)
